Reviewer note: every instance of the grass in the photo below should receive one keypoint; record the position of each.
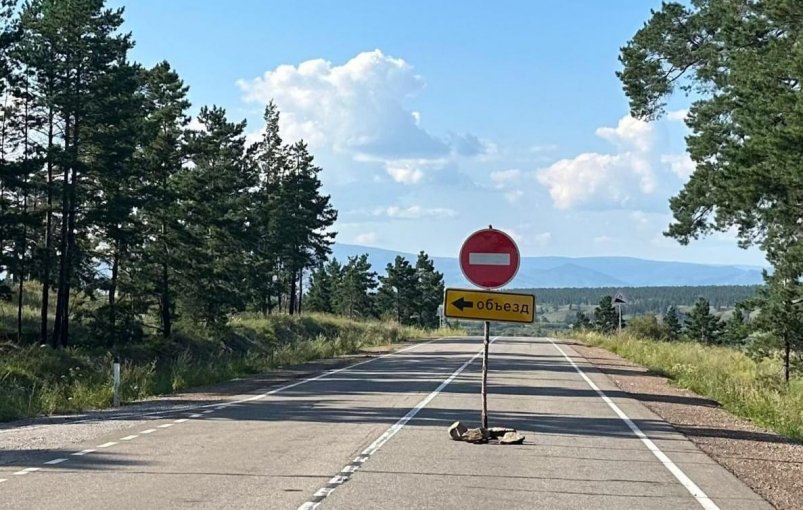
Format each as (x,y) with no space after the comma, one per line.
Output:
(747,388)
(38,380)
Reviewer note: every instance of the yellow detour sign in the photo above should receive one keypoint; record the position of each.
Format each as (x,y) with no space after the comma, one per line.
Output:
(484,305)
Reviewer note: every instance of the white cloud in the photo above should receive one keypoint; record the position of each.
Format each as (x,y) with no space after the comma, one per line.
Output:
(681,164)
(542,239)
(639,217)
(415,212)
(357,109)
(514,196)
(504,177)
(678,115)
(367,238)
(593,179)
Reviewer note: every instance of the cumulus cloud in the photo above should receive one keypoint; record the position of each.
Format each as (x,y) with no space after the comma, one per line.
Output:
(678,115)
(594,179)
(415,212)
(357,109)
(680,164)
(367,238)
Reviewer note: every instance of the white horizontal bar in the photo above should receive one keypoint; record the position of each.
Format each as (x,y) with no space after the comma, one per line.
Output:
(489,259)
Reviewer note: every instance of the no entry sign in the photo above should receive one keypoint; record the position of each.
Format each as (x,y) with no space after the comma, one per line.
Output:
(489,258)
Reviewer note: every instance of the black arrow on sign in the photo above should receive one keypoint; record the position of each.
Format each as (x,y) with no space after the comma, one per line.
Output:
(461,304)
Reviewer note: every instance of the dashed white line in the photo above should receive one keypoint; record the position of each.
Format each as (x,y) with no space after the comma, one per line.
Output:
(129,438)
(3,480)
(84,452)
(26,471)
(181,420)
(196,415)
(55,461)
(208,411)
(357,463)
(698,494)
(165,425)
(149,431)
(106,445)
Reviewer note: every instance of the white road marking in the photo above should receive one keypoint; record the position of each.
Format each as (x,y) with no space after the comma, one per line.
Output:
(356,464)
(681,477)
(106,445)
(83,452)
(488,259)
(208,411)
(197,415)
(55,461)
(148,431)
(3,480)
(26,471)
(181,420)
(129,438)
(165,425)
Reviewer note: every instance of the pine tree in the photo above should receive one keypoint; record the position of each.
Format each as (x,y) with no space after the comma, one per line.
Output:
(582,322)
(323,282)
(354,294)
(214,216)
(162,155)
(735,330)
(399,292)
(430,291)
(606,319)
(702,325)
(672,323)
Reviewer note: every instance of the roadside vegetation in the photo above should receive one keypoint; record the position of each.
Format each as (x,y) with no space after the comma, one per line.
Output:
(746,386)
(36,380)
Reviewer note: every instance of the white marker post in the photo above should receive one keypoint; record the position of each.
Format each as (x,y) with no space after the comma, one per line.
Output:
(116,383)
(485,344)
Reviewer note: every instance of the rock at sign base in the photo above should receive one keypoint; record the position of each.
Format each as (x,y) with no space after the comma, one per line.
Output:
(512,438)
(497,432)
(457,430)
(476,436)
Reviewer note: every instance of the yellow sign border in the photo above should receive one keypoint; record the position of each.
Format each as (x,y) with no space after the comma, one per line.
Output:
(492,316)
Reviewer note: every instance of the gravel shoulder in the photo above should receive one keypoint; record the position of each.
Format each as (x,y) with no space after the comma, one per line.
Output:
(768,463)
(23,440)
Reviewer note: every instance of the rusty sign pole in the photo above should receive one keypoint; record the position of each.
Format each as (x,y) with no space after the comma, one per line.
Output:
(486,343)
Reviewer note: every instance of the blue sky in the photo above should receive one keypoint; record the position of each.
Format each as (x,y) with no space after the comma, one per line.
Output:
(433,119)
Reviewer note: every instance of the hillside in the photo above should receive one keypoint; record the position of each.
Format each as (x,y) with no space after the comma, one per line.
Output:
(560,272)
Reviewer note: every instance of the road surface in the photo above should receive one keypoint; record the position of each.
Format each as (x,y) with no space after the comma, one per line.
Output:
(374,436)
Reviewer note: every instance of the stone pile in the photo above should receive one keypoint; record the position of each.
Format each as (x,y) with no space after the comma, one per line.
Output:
(496,435)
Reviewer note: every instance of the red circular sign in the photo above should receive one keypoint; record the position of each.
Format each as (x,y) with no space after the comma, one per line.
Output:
(489,258)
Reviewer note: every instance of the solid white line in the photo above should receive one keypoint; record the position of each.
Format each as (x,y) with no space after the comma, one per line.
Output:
(129,438)
(106,445)
(690,486)
(339,479)
(84,452)
(55,461)
(149,431)
(26,471)
(489,259)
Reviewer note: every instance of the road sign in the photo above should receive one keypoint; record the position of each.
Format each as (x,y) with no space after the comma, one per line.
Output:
(489,258)
(619,299)
(484,305)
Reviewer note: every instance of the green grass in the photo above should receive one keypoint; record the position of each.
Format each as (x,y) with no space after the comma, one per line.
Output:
(746,388)
(39,380)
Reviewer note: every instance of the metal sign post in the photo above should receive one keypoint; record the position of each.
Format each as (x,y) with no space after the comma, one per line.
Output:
(485,344)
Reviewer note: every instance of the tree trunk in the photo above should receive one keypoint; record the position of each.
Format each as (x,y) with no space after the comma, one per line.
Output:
(166,310)
(24,242)
(300,289)
(291,305)
(786,355)
(113,290)
(65,208)
(48,236)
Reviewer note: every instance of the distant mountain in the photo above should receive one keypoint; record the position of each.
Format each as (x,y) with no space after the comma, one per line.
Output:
(556,272)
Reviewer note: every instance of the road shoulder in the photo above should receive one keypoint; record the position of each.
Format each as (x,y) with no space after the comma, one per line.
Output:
(769,464)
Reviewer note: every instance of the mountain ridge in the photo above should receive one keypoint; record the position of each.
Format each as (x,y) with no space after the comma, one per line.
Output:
(557,272)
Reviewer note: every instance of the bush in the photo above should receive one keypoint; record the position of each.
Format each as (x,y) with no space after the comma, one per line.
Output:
(647,326)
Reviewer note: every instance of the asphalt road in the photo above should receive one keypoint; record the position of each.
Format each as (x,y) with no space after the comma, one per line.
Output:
(374,436)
